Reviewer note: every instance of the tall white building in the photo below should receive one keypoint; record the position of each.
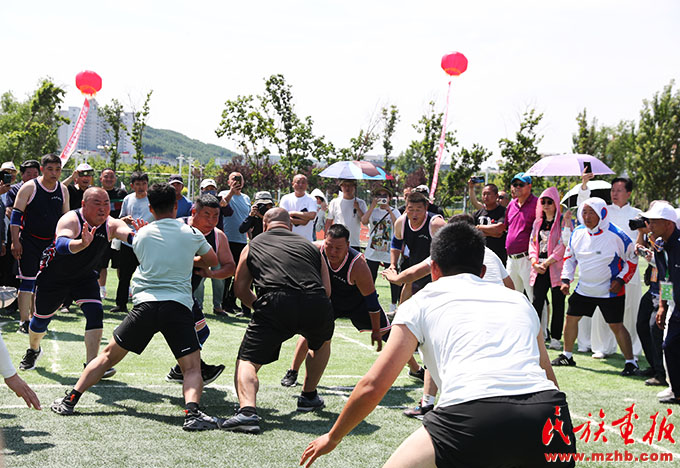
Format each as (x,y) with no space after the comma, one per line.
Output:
(96,131)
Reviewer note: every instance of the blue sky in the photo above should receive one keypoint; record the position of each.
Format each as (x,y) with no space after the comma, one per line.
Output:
(347,59)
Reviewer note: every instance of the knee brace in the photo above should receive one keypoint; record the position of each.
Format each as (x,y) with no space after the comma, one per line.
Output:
(39,324)
(27,285)
(94,315)
(203,334)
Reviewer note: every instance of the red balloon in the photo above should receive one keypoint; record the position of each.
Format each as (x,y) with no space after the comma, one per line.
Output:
(88,82)
(454,63)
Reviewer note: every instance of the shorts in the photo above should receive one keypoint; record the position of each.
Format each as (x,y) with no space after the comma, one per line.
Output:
(31,252)
(361,318)
(501,431)
(280,315)
(612,308)
(50,293)
(109,254)
(174,320)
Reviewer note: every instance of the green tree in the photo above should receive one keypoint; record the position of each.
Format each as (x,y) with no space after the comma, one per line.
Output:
(656,158)
(464,164)
(424,151)
(611,145)
(137,131)
(520,153)
(361,144)
(389,118)
(29,129)
(113,116)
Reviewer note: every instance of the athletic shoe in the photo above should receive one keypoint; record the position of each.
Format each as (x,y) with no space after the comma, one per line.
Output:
(649,372)
(117,309)
(629,369)
(290,379)
(599,355)
(305,405)
(29,359)
(666,392)
(175,375)
(670,401)
(419,375)
(418,412)
(198,421)
(210,373)
(23,327)
(63,406)
(221,312)
(232,310)
(555,344)
(656,382)
(243,314)
(102,292)
(563,360)
(240,423)
(109,373)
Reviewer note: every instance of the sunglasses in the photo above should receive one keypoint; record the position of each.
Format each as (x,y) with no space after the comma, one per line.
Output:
(501,197)
(546,201)
(518,184)
(86,173)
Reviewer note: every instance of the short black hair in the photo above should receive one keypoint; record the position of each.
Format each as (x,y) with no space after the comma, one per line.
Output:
(108,169)
(162,198)
(462,218)
(417,197)
(207,200)
(628,183)
(493,188)
(338,231)
(458,248)
(50,158)
(138,175)
(29,163)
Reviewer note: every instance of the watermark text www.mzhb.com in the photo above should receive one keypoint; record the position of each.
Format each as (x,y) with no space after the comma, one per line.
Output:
(614,456)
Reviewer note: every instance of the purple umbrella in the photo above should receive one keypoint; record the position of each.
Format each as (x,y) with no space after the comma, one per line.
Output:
(567,165)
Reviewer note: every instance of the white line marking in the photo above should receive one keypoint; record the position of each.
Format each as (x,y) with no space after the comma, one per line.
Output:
(55,353)
(352,340)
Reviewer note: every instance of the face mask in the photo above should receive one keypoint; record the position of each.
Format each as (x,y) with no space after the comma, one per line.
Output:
(211,192)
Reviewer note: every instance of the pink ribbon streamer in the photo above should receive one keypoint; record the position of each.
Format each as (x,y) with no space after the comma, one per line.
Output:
(442,143)
(75,135)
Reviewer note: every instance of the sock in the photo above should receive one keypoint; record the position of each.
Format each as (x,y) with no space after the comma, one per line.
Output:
(427,400)
(248,411)
(203,335)
(192,407)
(74,396)
(632,361)
(309,395)
(568,354)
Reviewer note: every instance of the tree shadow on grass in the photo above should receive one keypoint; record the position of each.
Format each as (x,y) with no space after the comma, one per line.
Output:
(16,443)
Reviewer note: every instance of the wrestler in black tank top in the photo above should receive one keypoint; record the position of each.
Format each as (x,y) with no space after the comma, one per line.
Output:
(82,264)
(43,212)
(345,297)
(418,243)
(211,237)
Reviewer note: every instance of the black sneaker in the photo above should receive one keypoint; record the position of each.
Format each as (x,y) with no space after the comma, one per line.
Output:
(419,411)
(108,374)
(198,421)
(64,406)
(221,312)
(305,405)
(240,423)
(648,372)
(175,375)
(23,327)
(29,359)
(290,379)
(563,360)
(419,375)
(117,309)
(629,369)
(210,373)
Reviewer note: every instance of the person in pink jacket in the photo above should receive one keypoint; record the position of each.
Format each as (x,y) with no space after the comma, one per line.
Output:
(546,252)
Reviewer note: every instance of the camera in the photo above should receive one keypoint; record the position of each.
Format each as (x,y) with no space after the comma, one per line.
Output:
(477,179)
(381,201)
(263,208)
(6,178)
(638,222)
(238,179)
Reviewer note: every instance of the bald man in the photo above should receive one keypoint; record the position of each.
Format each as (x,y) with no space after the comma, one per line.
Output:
(68,269)
(294,288)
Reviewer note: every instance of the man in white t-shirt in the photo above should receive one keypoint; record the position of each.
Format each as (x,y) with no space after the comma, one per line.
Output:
(484,346)
(301,207)
(347,210)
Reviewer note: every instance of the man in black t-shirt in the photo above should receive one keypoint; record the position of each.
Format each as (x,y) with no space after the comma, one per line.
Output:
(116,195)
(489,219)
(293,289)
(82,179)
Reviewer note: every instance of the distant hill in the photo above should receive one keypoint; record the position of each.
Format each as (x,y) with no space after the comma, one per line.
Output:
(170,144)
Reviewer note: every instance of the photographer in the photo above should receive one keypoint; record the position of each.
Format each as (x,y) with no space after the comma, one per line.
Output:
(253,222)
(82,178)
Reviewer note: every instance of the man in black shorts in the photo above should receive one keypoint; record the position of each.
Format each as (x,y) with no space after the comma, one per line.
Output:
(500,405)
(352,294)
(292,287)
(68,270)
(161,294)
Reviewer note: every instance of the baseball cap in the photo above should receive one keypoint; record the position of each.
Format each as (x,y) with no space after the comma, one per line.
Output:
(207,183)
(28,164)
(522,177)
(661,210)
(318,193)
(382,188)
(176,179)
(8,166)
(263,197)
(84,167)
(422,189)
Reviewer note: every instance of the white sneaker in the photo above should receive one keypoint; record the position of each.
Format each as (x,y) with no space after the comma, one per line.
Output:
(599,355)
(555,344)
(665,393)
(102,291)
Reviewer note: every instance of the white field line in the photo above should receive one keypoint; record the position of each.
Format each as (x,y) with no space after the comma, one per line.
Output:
(616,431)
(352,340)
(55,353)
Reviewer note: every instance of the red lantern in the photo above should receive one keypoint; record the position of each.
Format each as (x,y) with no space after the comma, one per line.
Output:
(454,63)
(88,82)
